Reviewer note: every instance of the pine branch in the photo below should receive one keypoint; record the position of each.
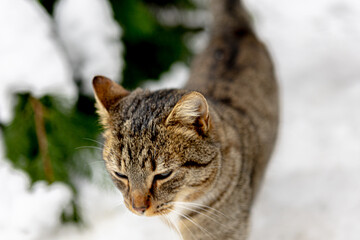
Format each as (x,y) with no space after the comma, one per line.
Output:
(41,138)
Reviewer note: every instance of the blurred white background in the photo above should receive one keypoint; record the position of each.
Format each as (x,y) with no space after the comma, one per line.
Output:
(312,188)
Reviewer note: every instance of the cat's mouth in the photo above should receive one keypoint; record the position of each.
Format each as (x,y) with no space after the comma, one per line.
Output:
(164,210)
(153,210)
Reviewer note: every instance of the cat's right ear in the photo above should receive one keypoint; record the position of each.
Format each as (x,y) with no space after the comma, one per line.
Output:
(191,110)
(107,93)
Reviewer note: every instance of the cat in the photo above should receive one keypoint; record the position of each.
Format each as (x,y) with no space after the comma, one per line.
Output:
(196,156)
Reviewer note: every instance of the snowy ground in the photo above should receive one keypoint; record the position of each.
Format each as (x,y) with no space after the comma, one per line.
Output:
(312,189)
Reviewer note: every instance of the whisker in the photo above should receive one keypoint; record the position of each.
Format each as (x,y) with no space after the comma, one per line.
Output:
(192,234)
(89,147)
(200,208)
(196,224)
(201,213)
(204,207)
(93,147)
(89,139)
(174,226)
(167,220)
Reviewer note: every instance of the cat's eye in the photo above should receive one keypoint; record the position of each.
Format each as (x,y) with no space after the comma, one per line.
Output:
(122,176)
(162,175)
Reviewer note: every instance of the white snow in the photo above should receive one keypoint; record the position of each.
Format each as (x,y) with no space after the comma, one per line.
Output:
(91,37)
(30,57)
(107,218)
(312,188)
(29,214)
(176,77)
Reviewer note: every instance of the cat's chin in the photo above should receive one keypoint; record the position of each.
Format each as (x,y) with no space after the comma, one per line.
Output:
(151,213)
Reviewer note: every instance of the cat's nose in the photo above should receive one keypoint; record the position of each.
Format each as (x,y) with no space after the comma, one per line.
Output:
(140,210)
(140,202)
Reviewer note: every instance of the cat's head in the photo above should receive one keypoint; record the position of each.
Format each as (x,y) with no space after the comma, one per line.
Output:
(160,147)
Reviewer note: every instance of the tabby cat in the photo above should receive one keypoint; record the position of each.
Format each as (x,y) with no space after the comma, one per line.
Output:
(197,155)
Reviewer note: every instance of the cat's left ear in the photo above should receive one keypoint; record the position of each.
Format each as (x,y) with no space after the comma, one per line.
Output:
(191,110)
(107,94)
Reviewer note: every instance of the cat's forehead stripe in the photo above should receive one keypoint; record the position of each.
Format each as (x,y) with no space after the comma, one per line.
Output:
(143,111)
(153,162)
(139,156)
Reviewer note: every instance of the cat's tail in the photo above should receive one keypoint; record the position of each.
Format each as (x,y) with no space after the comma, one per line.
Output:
(230,15)
(227,50)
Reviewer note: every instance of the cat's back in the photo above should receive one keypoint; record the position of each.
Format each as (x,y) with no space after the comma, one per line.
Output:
(236,72)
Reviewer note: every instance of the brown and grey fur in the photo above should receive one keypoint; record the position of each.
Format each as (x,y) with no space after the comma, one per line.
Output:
(212,139)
